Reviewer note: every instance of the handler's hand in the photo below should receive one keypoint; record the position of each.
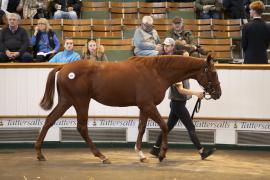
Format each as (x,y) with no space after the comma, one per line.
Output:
(200,95)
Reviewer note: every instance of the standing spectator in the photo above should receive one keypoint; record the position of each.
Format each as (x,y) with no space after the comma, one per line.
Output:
(235,9)
(146,39)
(208,9)
(68,55)
(94,51)
(44,41)
(35,9)
(14,41)
(177,32)
(255,36)
(65,9)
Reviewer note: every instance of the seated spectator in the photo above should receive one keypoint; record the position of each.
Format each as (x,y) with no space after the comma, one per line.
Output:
(14,41)
(146,39)
(177,32)
(44,41)
(180,48)
(94,52)
(12,6)
(65,9)
(35,9)
(68,55)
(168,46)
(208,9)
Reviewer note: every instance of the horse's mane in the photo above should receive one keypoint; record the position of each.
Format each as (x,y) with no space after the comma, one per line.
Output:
(166,61)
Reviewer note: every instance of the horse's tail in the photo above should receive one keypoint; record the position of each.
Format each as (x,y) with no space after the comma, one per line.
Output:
(47,100)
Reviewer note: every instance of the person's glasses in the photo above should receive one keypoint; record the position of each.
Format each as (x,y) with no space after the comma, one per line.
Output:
(41,24)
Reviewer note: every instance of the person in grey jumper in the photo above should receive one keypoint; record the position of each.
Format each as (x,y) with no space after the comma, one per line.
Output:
(146,39)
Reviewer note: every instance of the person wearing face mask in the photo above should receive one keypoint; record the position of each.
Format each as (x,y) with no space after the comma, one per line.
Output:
(146,39)
(94,51)
(255,36)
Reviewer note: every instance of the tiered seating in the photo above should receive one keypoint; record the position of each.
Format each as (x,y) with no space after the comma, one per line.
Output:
(117,49)
(80,28)
(201,28)
(222,48)
(230,28)
(107,28)
(156,10)
(97,10)
(123,28)
(125,10)
(136,9)
(163,26)
(184,10)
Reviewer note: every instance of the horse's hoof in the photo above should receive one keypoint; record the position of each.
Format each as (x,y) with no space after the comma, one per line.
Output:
(160,158)
(144,160)
(41,158)
(106,161)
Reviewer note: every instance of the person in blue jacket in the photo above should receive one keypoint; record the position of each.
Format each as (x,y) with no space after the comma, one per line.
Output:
(68,55)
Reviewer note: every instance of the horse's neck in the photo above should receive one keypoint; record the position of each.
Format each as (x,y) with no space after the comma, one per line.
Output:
(182,69)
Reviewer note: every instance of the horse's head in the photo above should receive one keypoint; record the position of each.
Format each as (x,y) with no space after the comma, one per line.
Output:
(208,78)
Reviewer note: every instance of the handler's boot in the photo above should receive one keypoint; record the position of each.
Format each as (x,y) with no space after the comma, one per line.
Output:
(207,152)
(155,151)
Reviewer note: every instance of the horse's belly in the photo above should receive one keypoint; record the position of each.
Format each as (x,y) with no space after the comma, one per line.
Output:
(114,102)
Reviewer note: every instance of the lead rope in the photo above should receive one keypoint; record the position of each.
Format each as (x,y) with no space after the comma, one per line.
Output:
(196,108)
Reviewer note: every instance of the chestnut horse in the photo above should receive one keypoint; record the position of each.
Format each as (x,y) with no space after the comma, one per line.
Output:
(139,81)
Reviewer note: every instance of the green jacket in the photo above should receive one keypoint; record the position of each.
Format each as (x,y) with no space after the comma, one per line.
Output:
(184,35)
(200,3)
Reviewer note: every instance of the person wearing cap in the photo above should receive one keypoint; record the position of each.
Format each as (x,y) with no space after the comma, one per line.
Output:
(146,39)
(208,9)
(179,94)
(255,36)
(168,46)
(177,32)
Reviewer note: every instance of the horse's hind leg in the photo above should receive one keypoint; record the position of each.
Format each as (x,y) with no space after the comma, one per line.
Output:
(138,146)
(57,112)
(82,117)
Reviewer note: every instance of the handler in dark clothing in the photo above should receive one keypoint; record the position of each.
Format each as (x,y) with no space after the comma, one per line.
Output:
(256,36)
(179,94)
(14,41)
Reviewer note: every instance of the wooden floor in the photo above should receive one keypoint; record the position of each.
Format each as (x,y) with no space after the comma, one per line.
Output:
(79,163)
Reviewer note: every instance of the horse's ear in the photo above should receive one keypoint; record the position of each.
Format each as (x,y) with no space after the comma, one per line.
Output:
(209,58)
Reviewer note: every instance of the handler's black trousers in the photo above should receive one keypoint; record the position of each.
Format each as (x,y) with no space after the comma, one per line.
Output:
(179,111)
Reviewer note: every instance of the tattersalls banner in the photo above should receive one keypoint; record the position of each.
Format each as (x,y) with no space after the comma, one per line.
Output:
(125,122)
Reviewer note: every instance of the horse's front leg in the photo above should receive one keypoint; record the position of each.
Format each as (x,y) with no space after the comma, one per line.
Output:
(82,118)
(141,128)
(153,113)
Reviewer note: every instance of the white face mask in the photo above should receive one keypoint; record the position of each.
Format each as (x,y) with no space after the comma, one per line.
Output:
(147,27)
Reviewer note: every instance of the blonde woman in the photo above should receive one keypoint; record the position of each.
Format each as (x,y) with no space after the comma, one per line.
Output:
(44,41)
(94,51)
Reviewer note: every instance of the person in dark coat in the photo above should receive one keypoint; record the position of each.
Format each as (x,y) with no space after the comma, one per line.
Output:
(255,36)
(14,41)
(235,9)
